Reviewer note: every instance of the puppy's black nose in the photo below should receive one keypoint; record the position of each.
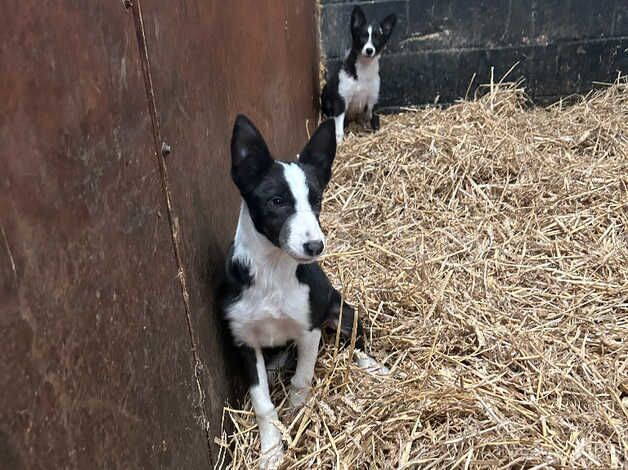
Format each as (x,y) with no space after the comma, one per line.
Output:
(313,248)
(369,51)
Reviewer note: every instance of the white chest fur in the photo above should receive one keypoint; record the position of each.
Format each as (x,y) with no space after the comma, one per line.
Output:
(275,308)
(272,311)
(361,92)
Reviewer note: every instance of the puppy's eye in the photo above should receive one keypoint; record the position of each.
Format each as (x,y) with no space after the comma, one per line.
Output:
(277,201)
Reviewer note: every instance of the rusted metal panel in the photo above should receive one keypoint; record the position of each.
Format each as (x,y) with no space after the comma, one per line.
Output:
(95,363)
(95,369)
(260,60)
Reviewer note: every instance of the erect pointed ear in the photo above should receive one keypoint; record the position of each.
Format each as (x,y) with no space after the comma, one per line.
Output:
(388,24)
(250,157)
(320,151)
(358,20)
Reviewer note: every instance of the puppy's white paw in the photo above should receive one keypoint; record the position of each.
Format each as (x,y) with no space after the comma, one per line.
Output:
(339,138)
(271,459)
(369,364)
(272,448)
(298,395)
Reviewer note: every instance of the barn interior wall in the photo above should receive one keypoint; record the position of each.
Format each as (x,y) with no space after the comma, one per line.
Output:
(443,50)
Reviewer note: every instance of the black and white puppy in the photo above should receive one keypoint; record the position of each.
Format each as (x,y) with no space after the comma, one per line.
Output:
(274,291)
(352,91)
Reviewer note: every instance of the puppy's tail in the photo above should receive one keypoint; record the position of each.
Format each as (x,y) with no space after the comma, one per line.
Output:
(345,321)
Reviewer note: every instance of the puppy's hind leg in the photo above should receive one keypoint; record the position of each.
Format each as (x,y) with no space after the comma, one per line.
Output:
(344,320)
(265,412)
(375,122)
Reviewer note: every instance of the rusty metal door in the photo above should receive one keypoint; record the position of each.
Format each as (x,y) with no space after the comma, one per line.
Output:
(102,363)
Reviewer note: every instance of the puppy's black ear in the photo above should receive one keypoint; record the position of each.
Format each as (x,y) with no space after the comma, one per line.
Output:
(250,157)
(320,151)
(388,25)
(358,20)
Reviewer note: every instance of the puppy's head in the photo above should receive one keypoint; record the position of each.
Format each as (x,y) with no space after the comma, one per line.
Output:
(369,39)
(284,198)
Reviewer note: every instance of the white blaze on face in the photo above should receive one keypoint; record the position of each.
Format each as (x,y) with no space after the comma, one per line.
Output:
(369,47)
(302,226)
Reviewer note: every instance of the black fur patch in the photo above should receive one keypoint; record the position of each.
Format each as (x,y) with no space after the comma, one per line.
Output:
(375,122)
(271,203)
(250,158)
(346,322)
(325,303)
(332,104)
(317,158)
(249,365)
(237,273)
(320,291)
(237,278)
(359,29)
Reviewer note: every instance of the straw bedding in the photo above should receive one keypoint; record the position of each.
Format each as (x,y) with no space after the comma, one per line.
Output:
(485,247)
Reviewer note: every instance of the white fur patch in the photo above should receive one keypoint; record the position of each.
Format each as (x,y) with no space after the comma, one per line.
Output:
(369,43)
(339,123)
(275,308)
(362,92)
(265,413)
(302,226)
(301,382)
(346,86)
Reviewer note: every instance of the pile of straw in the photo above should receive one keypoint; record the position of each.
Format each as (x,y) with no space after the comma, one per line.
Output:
(485,247)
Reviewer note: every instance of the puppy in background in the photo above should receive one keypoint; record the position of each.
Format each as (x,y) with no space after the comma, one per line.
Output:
(352,91)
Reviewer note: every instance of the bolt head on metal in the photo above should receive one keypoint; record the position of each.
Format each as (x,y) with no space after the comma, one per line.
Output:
(165,149)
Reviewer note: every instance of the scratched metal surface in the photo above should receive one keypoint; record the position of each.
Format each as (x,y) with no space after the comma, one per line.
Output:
(95,363)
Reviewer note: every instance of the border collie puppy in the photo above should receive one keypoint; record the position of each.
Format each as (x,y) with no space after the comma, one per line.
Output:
(275,292)
(353,90)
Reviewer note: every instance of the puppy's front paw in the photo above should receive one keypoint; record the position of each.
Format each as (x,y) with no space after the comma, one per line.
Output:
(298,395)
(339,138)
(271,446)
(271,459)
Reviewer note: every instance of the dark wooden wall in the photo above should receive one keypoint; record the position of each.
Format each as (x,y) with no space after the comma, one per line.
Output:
(96,361)
(562,46)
